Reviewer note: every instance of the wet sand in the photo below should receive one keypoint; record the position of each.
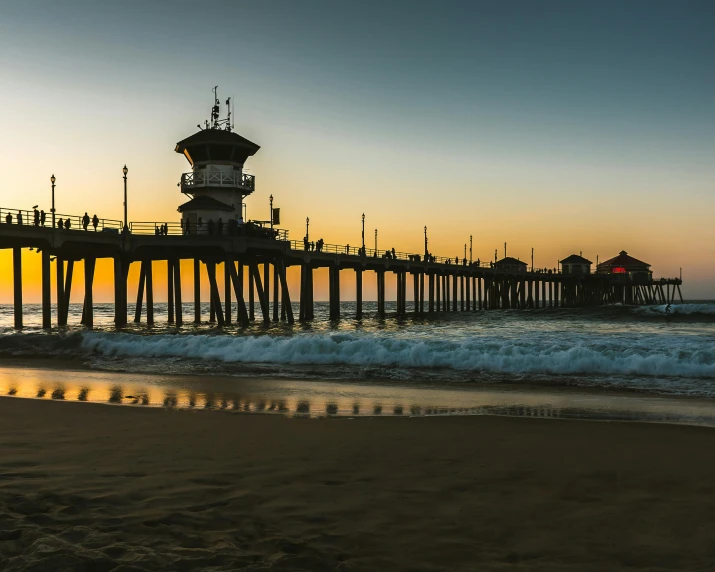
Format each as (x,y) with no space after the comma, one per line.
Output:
(100,487)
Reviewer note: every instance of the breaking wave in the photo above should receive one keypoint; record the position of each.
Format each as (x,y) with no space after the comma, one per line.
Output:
(668,356)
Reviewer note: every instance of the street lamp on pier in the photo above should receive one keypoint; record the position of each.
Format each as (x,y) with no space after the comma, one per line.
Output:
(375,241)
(363,233)
(271,199)
(125,171)
(470,249)
(52,180)
(307,228)
(426,242)
(532,259)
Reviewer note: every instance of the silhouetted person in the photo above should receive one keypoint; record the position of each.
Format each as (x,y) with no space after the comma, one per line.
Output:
(166,229)
(19,217)
(60,224)
(36,217)
(68,224)
(219,226)
(8,218)
(187,226)
(95,222)
(85,221)
(43,217)
(199,223)
(347,249)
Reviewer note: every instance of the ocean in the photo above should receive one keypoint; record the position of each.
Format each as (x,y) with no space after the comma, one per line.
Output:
(639,363)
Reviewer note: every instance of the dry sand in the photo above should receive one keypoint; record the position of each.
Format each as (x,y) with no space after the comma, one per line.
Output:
(95,487)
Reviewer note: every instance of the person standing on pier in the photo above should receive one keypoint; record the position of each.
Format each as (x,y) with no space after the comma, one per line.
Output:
(8,218)
(19,217)
(68,224)
(95,222)
(36,216)
(60,224)
(43,217)
(85,221)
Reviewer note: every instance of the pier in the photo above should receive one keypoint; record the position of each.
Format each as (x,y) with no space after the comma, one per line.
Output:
(436,285)
(233,252)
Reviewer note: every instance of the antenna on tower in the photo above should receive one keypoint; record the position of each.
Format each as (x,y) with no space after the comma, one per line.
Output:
(228,117)
(215,109)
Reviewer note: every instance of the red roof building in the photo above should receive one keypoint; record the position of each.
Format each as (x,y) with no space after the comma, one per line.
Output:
(625,265)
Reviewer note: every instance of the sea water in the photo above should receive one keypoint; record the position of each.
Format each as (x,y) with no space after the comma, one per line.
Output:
(463,360)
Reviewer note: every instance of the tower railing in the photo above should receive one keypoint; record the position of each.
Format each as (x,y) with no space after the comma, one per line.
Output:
(205,178)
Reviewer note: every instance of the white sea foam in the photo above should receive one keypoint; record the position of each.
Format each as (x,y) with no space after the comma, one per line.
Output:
(668,356)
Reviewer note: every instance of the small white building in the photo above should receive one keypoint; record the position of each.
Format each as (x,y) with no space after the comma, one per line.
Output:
(575,264)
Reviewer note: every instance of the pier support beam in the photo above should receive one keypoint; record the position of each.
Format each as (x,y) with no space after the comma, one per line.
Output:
(275,292)
(215,296)
(67,292)
(60,288)
(170,290)
(242,316)
(140,293)
(251,294)
(262,293)
(89,264)
(197,291)
(285,292)
(334,294)
(177,292)
(227,290)
(46,292)
(358,293)
(381,293)
(17,285)
(149,281)
(120,293)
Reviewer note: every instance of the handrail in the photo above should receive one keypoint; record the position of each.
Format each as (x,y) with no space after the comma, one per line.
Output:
(29,219)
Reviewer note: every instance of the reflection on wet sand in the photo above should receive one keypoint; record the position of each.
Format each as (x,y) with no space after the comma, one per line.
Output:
(317,399)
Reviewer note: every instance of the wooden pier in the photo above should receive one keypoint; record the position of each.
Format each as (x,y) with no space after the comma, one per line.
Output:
(437,285)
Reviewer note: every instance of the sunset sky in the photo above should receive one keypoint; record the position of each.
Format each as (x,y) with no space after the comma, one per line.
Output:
(560,126)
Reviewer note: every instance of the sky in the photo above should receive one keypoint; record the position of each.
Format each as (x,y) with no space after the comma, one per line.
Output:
(565,127)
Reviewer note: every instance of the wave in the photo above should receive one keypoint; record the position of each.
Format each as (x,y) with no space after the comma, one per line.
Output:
(668,356)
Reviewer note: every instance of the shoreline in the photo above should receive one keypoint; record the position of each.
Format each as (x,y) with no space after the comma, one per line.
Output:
(317,398)
(150,488)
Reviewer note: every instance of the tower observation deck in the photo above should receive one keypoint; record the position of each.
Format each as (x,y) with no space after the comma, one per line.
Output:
(216,184)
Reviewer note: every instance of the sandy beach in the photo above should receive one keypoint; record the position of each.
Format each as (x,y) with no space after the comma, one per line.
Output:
(100,487)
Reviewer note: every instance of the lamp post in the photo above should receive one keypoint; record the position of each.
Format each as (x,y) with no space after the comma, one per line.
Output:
(363,233)
(426,242)
(52,180)
(470,249)
(532,259)
(271,199)
(505,250)
(307,228)
(375,241)
(125,171)
(465,251)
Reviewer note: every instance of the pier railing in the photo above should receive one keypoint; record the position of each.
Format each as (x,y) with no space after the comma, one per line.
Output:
(33,219)
(176,229)
(200,179)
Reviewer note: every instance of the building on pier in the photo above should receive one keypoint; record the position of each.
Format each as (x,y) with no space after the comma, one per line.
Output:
(217,183)
(576,264)
(510,264)
(625,265)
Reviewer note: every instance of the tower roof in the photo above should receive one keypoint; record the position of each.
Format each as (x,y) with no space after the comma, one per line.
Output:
(216,145)
(204,202)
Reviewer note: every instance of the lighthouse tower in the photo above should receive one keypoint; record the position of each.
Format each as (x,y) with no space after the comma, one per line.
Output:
(216,184)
